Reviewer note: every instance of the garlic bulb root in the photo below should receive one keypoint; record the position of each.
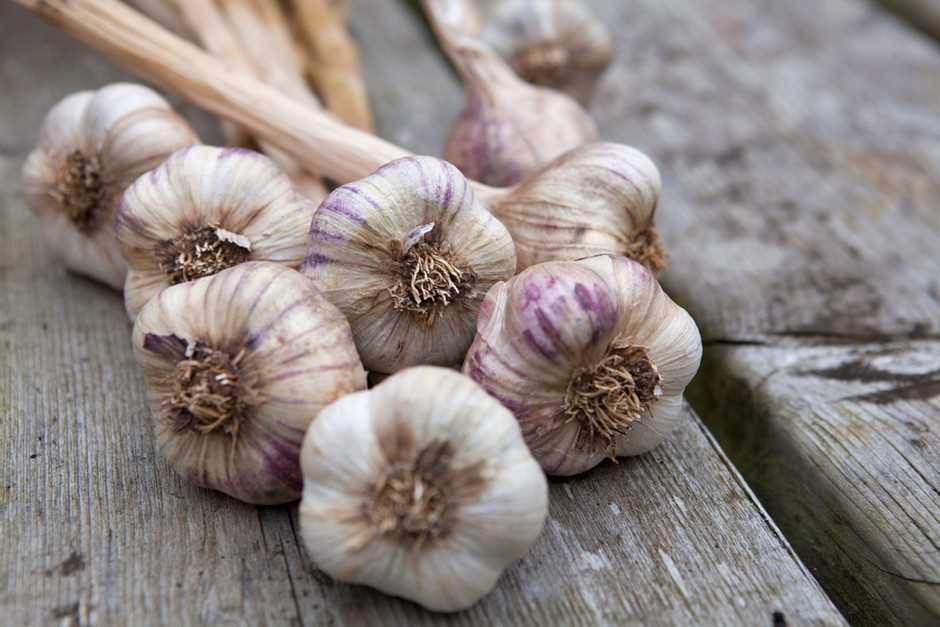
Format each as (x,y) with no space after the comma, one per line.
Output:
(591,356)
(204,210)
(237,364)
(441,497)
(92,145)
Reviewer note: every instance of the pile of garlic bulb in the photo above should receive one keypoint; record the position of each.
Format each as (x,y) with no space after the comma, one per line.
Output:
(508,345)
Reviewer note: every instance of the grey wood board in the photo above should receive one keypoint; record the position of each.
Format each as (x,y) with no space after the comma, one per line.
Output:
(800,148)
(99,530)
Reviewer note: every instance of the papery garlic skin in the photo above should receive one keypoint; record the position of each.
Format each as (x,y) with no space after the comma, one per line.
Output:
(609,193)
(92,145)
(557,335)
(470,497)
(413,222)
(555,43)
(203,210)
(285,353)
(509,129)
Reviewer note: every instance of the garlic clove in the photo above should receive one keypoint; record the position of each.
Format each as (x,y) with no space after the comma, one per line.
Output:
(92,145)
(407,254)
(440,498)
(591,356)
(556,43)
(609,193)
(237,364)
(203,210)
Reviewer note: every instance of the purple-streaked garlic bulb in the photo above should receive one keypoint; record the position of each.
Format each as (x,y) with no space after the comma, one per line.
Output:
(555,43)
(204,210)
(237,365)
(92,145)
(597,199)
(421,487)
(591,356)
(508,128)
(407,254)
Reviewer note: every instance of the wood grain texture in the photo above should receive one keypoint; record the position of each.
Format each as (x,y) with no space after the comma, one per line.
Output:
(98,530)
(800,148)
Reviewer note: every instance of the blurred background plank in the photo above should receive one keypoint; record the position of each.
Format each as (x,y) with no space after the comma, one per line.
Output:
(98,529)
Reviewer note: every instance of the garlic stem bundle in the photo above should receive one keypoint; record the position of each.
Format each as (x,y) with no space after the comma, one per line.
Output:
(407,254)
(555,43)
(420,487)
(205,210)
(344,154)
(508,129)
(237,365)
(591,356)
(92,145)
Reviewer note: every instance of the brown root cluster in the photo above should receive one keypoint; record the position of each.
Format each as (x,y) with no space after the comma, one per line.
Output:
(428,281)
(611,396)
(546,62)
(210,391)
(80,190)
(646,248)
(199,253)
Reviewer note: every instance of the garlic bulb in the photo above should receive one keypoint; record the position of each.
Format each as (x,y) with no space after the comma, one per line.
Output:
(407,254)
(609,194)
(237,364)
(556,43)
(92,145)
(508,128)
(421,487)
(204,210)
(591,356)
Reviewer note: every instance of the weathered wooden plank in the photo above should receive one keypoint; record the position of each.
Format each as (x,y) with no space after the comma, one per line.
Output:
(98,530)
(799,147)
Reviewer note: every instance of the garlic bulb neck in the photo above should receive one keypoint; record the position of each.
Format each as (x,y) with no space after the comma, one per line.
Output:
(610,396)
(80,189)
(646,248)
(202,252)
(428,279)
(412,503)
(210,391)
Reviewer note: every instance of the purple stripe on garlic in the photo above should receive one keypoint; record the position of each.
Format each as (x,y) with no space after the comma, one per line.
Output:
(591,356)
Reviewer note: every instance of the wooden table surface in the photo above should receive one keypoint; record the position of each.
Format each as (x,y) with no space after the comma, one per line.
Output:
(800,148)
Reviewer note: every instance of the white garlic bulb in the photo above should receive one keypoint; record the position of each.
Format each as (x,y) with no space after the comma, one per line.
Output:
(591,356)
(556,43)
(92,145)
(203,210)
(237,364)
(407,254)
(421,487)
(509,129)
(597,199)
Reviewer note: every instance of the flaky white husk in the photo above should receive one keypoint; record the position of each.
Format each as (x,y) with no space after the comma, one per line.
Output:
(538,329)
(565,27)
(238,190)
(609,193)
(354,237)
(508,129)
(296,343)
(129,129)
(356,439)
